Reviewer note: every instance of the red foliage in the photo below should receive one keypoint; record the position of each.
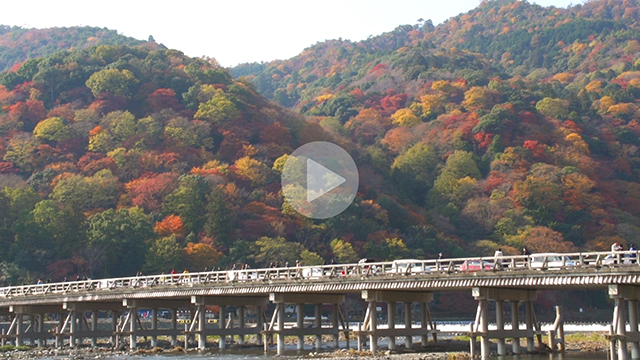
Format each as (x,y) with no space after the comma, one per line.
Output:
(162,99)
(537,149)
(149,193)
(573,126)
(527,117)
(100,164)
(30,112)
(275,133)
(494,180)
(7,168)
(107,102)
(378,69)
(392,103)
(483,139)
(65,111)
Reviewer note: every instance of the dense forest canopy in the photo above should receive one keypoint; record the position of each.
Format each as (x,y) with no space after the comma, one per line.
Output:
(18,44)
(511,125)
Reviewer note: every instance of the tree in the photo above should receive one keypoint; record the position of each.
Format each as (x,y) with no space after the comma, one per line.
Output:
(163,255)
(416,170)
(253,169)
(405,117)
(555,108)
(457,177)
(187,201)
(52,129)
(200,256)
(114,81)
(309,258)
(343,251)
(219,217)
(220,109)
(170,225)
(480,98)
(123,234)
(543,239)
(268,250)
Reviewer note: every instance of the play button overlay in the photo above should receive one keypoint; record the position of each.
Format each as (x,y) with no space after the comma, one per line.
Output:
(319,180)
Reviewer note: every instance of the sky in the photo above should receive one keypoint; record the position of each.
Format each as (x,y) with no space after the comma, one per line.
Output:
(239,31)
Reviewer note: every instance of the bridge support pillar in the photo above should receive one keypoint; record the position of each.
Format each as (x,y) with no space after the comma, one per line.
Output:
(335,313)
(174,327)
(299,330)
(222,344)
(633,327)
(300,324)
(280,327)
(502,348)
(19,329)
(481,326)
(619,337)
(154,327)
(202,326)
(318,320)
(408,321)
(391,321)
(94,328)
(515,325)
(241,322)
(373,297)
(259,323)
(73,329)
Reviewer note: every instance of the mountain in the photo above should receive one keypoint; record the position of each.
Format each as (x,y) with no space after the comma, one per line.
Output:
(512,125)
(18,44)
(119,159)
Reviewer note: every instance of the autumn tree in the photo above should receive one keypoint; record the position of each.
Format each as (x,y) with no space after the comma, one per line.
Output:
(52,130)
(163,255)
(199,256)
(343,251)
(220,109)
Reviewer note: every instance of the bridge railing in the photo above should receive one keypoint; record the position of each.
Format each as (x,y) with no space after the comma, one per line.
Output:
(397,268)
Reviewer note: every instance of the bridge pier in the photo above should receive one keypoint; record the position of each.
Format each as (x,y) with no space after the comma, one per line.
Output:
(624,295)
(277,322)
(35,331)
(373,297)
(224,329)
(481,325)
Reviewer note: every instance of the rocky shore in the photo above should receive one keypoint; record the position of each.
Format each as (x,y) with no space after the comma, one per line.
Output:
(451,349)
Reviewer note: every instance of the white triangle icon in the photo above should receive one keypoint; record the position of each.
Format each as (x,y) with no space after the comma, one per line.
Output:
(320,180)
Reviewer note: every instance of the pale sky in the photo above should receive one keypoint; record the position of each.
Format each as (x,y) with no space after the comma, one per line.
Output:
(241,30)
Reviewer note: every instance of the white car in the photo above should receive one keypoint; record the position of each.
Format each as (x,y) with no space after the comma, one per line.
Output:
(408,266)
(551,261)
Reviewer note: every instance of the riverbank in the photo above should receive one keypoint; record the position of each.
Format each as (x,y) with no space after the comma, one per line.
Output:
(452,349)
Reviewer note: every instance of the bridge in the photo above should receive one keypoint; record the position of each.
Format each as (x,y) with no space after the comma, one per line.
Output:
(508,279)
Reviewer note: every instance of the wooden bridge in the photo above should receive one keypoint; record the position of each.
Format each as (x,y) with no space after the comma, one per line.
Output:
(512,279)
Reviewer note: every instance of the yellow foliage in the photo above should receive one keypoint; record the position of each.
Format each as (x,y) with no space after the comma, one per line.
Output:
(323,98)
(405,117)
(606,102)
(594,86)
(621,109)
(635,83)
(578,142)
(564,78)
(431,104)
(480,97)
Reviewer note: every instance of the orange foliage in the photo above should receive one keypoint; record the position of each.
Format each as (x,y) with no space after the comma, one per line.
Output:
(542,239)
(200,256)
(170,225)
(65,111)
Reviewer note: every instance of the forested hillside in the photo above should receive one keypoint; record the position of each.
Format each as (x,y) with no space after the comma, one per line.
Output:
(18,44)
(511,125)
(118,159)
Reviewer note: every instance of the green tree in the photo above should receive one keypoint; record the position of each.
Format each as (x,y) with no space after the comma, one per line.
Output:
(310,258)
(219,220)
(555,108)
(123,235)
(164,255)
(52,129)
(188,201)
(267,250)
(114,81)
(416,169)
(343,251)
(219,109)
